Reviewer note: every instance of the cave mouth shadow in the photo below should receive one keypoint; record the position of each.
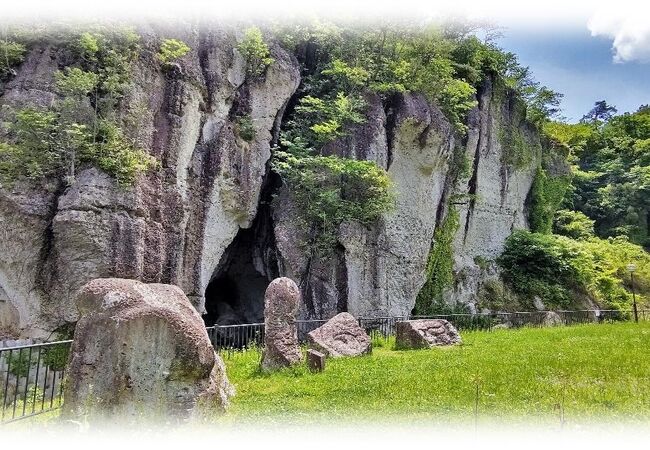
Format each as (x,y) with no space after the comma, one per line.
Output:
(235,294)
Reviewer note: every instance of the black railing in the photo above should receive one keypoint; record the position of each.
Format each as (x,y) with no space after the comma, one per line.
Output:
(230,338)
(31,379)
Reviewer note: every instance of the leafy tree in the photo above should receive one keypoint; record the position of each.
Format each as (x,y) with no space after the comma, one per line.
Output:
(255,51)
(329,190)
(601,112)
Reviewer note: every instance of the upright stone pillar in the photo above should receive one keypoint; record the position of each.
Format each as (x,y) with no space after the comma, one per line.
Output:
(281,302)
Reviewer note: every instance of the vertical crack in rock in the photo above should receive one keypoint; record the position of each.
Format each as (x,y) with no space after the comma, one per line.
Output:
(472,184)
(47,269)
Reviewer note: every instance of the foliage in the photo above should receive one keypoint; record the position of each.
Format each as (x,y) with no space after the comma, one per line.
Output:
(573,224)
(320,120)
(56,356)
(19,363)
(244,127)
(493,294)
(600,370)
(557,269)
(11,55)
(611,181)
(255,51)
(601,112)
(516,151)
(546,195)
(329,190)
(80,126)
(171,50)
(440,265)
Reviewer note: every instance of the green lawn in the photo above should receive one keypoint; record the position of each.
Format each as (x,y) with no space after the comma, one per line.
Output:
(590,371)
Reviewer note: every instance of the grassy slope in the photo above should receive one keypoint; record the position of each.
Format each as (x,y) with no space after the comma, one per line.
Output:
(599,370)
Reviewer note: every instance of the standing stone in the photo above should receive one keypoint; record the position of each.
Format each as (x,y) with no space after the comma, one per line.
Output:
(315,360)
(281,302)
(141,352)
(425,333)
(340,336)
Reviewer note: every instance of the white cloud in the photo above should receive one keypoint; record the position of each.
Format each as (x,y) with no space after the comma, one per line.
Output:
(629,28)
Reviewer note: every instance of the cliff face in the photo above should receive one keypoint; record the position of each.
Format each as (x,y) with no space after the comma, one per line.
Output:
(215,221)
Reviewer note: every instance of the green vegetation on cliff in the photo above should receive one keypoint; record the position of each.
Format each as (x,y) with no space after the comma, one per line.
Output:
(439,271)
(81,125)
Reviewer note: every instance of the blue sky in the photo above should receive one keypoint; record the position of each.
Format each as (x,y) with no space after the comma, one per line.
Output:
(571,61)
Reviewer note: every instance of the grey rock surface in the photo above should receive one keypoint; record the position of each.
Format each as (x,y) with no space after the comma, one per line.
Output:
(425,333)
(340,336)
(281,347)
(141,352)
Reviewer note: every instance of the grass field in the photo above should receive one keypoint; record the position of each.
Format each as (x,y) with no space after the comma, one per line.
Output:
(586,372)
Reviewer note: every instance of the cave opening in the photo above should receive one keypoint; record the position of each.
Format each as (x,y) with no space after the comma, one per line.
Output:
(235,294)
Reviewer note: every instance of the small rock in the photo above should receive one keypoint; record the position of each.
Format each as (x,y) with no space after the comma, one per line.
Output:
(340,336)
(425,333)
(281,348)
(552,319)
(315,360)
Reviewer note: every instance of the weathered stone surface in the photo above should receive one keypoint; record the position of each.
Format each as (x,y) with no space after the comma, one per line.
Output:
(377,270)
(315,360)
(141,351)
(552,319)
(173,225)
(340,336)
(423,333)
(281,348)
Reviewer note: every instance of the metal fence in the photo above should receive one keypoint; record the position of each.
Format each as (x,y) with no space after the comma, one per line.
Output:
(31,379)
(232,338)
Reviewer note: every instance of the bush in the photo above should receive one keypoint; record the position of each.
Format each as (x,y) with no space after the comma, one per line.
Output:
(244,128)
(19,363)
(171,50)
(255,52)
(330,190)
(11,55)
(546,195)
(557,269)
(573,224)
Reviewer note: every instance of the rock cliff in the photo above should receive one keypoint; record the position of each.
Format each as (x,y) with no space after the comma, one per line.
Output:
(214,219)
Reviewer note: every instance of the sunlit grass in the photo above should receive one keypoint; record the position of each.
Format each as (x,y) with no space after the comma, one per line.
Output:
(587,371)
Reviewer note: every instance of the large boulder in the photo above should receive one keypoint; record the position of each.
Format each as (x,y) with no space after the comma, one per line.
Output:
(141,351)
(281,302)
(340,336)
(425,333)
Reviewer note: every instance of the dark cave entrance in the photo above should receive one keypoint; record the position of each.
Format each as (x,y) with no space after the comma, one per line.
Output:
(235,294)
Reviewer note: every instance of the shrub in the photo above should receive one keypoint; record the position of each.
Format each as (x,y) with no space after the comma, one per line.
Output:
(244,127)
(255,51)
(330,190)
(171,50)
(573,224)
(56,356)
(557,268)
(11,55)
(81,126)
(19,363)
